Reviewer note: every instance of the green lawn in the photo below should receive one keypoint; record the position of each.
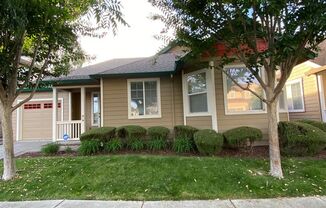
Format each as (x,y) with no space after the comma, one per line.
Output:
(160,177)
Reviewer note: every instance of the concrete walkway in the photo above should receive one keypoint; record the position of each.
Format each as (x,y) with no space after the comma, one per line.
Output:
(300,202)
(22,147)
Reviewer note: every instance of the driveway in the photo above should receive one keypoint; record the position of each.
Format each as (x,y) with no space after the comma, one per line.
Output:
(22,147)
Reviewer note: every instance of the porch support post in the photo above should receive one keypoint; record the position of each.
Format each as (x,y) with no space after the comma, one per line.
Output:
(82,108)
(69,108)
(54,113)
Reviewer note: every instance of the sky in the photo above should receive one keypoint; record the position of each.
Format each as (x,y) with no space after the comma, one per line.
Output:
(134,41)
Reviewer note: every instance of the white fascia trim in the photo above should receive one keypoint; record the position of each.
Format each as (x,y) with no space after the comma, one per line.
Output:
(312,64)
(158,91)
(225,95)
(76,86)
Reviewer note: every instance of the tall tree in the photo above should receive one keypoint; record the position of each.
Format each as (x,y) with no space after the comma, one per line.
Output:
(291,30)
(46,32)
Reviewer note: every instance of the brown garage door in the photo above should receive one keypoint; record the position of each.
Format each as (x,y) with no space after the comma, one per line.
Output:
(37,120)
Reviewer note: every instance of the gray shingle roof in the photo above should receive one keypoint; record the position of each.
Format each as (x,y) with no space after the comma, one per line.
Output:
(157,64)
(85,72)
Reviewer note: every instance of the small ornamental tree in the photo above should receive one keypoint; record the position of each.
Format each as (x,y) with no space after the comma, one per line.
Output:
(44,31)
(289,30)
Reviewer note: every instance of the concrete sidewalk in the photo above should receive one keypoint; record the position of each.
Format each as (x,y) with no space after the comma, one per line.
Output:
(300,202)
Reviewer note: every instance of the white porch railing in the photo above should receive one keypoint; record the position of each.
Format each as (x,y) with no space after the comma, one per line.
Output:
(70,128)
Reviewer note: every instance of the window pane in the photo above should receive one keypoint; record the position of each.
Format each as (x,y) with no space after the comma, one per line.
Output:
(296,96)
(151,98)
(239,100)
(196,83)
(137,99)
(96,112)
(198,103)
(281,101)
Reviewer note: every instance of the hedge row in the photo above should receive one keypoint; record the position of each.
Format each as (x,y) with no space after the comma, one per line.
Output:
(187,139)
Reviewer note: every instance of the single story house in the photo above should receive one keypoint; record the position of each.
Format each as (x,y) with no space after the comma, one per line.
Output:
(163,90)
(306,89)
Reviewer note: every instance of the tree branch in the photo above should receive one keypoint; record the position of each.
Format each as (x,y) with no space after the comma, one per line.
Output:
(244,88)
(30,68)
(36,83)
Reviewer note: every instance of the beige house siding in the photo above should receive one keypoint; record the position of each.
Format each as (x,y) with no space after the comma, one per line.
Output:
(115,107)
(42,95)
(310,93)
(115,104)
(200,122)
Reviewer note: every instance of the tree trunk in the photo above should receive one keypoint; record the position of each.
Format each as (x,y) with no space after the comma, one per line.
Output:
(274,147)
(9,168)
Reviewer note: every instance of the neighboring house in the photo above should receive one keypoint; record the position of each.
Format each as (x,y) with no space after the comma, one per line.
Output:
(306,87)
(163,90)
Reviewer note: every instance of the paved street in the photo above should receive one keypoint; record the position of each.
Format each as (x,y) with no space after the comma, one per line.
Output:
(300,202)
(22,147)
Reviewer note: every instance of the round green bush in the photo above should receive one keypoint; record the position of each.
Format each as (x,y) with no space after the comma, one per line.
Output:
(102,134)
(320,125)
(240,137)
(131,132)
(158,133)
(208,142)
(185,132)
(300,139)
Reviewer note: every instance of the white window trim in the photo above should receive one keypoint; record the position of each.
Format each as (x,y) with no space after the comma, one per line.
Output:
(158,88)
(299,80)
(208,92)
(225,94)
(285,109)
(92,108)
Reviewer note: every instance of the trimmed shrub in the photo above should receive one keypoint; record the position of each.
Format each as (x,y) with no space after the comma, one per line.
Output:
(90,147)
(131,132)
(158,133)
(113,145)
(318,124)
(50,149)
(102,134)
(300,139)
(135,144)
(242,136)
(208,142)
(156,144)
(182,145)
(185,132)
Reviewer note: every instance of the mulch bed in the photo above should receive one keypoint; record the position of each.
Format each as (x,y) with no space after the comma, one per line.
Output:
(255,152)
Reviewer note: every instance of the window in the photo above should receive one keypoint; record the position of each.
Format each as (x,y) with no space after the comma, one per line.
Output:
(281,101)
(32,106)
(144,98)
(238,101)
(95,109)
(49,105)
(294,94)
(197,92)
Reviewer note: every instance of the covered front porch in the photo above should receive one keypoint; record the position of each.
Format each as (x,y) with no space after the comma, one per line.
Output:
(84,112)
